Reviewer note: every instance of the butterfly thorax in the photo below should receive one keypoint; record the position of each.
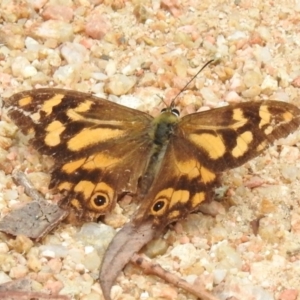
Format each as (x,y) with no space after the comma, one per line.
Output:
(162,127)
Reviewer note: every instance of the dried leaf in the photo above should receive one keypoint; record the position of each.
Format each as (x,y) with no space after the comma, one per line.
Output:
(36,218)
(127,241)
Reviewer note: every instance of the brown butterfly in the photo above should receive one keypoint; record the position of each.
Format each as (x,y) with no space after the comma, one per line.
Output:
(103,150)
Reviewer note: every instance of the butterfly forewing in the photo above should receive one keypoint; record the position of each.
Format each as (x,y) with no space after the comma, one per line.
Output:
(96,144)
(229,136)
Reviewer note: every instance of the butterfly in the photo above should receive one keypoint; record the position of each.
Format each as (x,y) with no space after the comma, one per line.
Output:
(103,151)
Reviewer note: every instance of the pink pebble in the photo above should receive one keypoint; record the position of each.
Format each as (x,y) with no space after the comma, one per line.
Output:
(289,294)
(58,12)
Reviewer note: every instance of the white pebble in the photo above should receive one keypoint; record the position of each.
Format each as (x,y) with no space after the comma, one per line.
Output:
(120,84)
(260,294)
(252,92)
(290,173)
(10,195)
(148,79)
(76,255)
(128,70)
(53,251)
(237,35)
(232,97)
(88,249)
(31,44)
(96,235)
(229,257)
(4,248)
(29,71)
(186,253)
(281,96)
(134,64)
(4,277)
(66,74)
(130,101)
(18,65)
(48,253)
(92,261)
(98,89)
(116,292)
(80,268)
(111,68)
(262,54)
(236,82)
(99,76)
(144,296)
(269,84)
(54,29)
(209,96)
(252,78)
(54,59)
(264,32)
(222,45)
(219,275)
(4,50)
(74,53)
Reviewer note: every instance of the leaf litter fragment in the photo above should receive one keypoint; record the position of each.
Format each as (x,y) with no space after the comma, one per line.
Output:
(36,218)
(21,289)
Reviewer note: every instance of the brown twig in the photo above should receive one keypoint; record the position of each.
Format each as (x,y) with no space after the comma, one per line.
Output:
(155,269)
(21,289)
(30,191)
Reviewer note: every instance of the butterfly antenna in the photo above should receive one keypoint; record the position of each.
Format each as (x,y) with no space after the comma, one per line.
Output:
(162,100)
(184,88)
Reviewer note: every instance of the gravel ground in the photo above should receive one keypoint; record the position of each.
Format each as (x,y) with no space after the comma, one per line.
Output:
(134,53)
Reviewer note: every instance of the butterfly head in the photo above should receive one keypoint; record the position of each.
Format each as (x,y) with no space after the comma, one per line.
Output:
(171,110)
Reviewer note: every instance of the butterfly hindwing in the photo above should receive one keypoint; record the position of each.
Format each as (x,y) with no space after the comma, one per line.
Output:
(95,143)
(180,186)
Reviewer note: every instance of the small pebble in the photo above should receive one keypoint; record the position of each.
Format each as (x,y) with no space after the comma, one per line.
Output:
(34,263)
(252,78)
(92,261)
(269,85)
(55,265)
(120,84)
(186,253)
(289,294)
(18,272)
(58,12)
(97,26)
(74,53)
(21,244)
(68,74)
(54,29)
